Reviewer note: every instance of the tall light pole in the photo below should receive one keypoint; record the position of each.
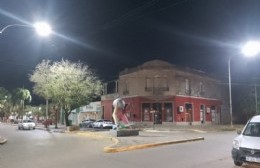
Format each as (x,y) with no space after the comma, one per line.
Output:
(42,28)
(250,49)
(256,100)
(230,95)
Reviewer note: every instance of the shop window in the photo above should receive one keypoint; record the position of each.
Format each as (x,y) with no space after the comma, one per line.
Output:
(202,114)
(213,113)
(146,115)
(168,112)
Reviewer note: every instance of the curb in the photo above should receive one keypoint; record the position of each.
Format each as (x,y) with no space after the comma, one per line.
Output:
(2,140)
(109,149)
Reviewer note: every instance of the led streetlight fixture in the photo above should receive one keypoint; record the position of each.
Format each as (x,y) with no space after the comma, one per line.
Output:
(42,28)
(251,48)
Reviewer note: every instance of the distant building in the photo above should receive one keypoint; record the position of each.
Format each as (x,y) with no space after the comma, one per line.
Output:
(160,92)
(90,111)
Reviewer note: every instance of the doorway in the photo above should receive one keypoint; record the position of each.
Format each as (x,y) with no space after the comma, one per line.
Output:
(188,113)
(158,113)
(202,114)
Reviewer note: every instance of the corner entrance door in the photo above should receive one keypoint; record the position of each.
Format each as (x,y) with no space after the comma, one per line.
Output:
(188,113)
(202,114)
(158,113)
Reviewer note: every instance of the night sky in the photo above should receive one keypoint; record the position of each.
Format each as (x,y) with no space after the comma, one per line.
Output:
(111,35)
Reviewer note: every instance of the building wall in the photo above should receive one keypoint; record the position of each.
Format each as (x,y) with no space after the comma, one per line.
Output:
(156,84)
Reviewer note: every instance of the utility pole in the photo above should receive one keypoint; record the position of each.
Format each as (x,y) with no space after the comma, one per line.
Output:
(256,100)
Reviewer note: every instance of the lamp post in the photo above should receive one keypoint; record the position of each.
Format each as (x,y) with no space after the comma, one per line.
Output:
(230,95)
(42,28)
(250,49)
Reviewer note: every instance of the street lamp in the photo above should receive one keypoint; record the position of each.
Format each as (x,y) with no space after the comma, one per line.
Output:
(42,28)
(250,49)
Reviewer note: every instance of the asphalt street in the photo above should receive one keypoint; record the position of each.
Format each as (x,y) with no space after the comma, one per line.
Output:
(55,148)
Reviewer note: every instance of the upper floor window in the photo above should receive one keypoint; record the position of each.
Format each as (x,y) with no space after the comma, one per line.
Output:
(148,82)
(202,90)
(156,82)
(187,86)
(125,87)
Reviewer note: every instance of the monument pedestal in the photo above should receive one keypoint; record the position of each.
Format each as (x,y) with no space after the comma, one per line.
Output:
(124,132)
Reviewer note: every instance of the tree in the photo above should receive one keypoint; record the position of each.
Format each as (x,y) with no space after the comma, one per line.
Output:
(4,102)
(19,96)
(67,84)
(36,111)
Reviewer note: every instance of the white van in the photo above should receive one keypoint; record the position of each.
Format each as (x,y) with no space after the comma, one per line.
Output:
(246,146)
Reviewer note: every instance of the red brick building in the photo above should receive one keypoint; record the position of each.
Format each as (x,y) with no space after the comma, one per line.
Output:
(162,93)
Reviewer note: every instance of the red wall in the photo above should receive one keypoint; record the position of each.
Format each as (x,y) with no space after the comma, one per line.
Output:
(196,102)
(134,111)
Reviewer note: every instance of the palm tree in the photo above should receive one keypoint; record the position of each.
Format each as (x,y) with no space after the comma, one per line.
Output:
(20,95)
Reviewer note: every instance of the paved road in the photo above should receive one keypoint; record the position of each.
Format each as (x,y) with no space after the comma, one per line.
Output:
(41,149)
(213,152)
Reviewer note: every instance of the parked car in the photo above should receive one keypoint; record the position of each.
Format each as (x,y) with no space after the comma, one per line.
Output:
(246,146)
(87,123)
(26,124)
(102,124)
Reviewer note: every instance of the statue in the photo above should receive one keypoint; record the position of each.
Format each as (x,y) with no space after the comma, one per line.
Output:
(119,113)
(122,126)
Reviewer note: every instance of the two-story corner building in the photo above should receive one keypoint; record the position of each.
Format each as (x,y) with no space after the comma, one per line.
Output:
(162,93)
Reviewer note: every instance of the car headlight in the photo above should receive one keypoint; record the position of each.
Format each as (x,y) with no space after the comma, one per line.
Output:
(236,144)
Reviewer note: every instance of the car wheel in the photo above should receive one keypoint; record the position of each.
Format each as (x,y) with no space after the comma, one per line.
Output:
(101,126)
(238,163)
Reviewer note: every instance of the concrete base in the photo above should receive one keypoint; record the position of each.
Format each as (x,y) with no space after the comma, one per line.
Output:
(124,132)
(72,128)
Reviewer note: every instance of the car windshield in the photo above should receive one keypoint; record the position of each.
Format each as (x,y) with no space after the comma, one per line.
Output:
(252,129)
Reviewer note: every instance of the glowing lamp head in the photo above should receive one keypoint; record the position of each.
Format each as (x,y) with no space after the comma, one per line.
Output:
(251,48)
(42,28)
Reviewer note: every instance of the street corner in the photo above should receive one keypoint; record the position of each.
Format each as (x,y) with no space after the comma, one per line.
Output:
(2,140)
(112,149)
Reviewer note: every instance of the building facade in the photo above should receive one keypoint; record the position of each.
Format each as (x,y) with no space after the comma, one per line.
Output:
(161,93)
(90,111)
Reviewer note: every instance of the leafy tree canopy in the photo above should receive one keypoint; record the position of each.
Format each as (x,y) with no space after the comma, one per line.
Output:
(69,84)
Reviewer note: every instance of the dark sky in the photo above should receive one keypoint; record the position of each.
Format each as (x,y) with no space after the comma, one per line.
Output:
(110,35)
